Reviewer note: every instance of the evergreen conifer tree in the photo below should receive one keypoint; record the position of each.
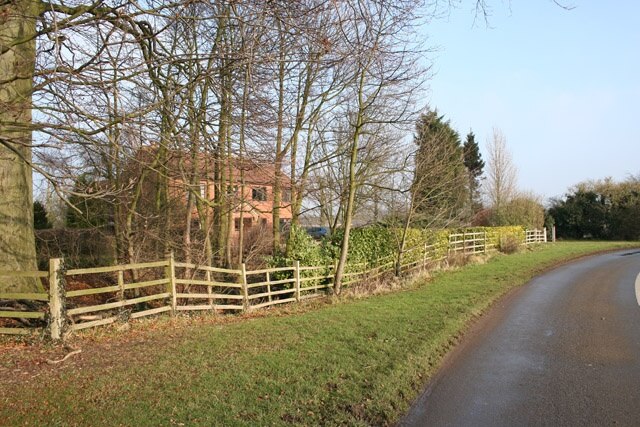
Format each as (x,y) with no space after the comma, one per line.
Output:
(440,182)
(475,167)
(40,220)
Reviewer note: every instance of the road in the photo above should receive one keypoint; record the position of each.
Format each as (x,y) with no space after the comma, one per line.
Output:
(562,350)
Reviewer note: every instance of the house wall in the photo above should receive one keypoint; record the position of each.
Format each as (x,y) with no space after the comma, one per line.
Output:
(253,210)
(258,211)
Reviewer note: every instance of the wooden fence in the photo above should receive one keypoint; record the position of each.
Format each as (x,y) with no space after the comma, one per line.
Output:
(535,236)
(33,310)
(474,242)
(145,289)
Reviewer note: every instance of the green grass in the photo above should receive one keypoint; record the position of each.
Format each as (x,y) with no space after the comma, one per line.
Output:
(357,362)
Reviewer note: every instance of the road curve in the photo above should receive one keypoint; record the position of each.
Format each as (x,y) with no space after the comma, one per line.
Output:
(562,350)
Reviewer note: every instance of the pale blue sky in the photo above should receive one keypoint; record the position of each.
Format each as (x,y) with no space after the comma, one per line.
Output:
(563,85)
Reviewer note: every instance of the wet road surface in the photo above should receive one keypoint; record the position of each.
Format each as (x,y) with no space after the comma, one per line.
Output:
(562,350)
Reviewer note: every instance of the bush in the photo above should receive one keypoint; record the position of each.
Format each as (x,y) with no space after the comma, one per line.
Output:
(366,244)
(509,244)
(81,248)
(375,245)
(372,244)
(303,248)
(496,234)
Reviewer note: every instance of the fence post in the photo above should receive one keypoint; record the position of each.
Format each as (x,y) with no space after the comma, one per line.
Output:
(269,287)
(56,298)
(333,278)
(171,273)
(484,247)
(207,276)
(245,289)
(545,234)
(553,234)
(296,279)
(121,284)
(424,257)
(464,242)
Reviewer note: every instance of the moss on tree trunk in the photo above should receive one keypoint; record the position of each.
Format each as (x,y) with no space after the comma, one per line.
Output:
(17,60)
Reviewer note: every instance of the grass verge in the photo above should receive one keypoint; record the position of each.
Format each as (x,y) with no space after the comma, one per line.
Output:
(357,363)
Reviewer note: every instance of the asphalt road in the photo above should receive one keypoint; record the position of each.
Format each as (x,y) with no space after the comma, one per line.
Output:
(564,350)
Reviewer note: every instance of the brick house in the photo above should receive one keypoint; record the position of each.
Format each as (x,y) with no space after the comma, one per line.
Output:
(254,205)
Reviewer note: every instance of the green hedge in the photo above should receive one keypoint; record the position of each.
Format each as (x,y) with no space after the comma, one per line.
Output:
(375,244)
(497,235)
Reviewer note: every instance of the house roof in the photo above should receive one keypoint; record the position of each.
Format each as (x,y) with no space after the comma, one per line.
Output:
(180,165)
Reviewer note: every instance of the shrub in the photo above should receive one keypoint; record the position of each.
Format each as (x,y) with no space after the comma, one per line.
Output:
(371,244)
(440,241)
(496,234)
(303,248)
(366,244)
(81,248)
(509,244)
(374,245)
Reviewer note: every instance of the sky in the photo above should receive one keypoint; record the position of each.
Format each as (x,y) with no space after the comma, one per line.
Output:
(562,85)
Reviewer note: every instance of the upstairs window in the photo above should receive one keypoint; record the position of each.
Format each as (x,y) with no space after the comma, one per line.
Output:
(286,195)
(232,191)
(259,194)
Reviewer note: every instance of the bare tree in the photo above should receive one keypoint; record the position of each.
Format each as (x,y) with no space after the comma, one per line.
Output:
(500,186)
(385,75)
(22,24)
(125,91)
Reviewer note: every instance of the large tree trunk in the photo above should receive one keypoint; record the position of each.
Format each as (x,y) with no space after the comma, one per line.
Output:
(17,59)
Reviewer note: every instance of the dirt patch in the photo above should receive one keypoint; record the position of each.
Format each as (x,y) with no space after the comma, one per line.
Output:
(24,362)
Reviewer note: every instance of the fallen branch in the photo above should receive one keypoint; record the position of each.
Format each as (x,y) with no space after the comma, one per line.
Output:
(53,362)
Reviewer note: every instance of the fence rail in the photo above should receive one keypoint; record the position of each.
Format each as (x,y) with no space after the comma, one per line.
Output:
(473,242)
(145,289)
(535,236)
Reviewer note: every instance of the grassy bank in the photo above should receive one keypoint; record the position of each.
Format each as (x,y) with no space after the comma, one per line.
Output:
(357,362)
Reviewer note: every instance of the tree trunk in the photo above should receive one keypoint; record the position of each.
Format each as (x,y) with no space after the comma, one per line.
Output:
(17,61)
(231,206)
(403,239)
(348,217)
(352,184)
(241,155)
(280,152)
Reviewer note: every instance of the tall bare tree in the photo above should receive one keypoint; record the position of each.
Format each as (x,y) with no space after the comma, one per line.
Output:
(501,183)
(124,90)
(385,75)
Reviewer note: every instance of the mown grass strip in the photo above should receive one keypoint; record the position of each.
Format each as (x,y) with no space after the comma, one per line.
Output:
(355,363)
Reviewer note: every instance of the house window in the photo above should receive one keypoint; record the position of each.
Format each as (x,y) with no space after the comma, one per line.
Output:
(247,223)
(286,195)
(203,190)
(232,191)
(259,194)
